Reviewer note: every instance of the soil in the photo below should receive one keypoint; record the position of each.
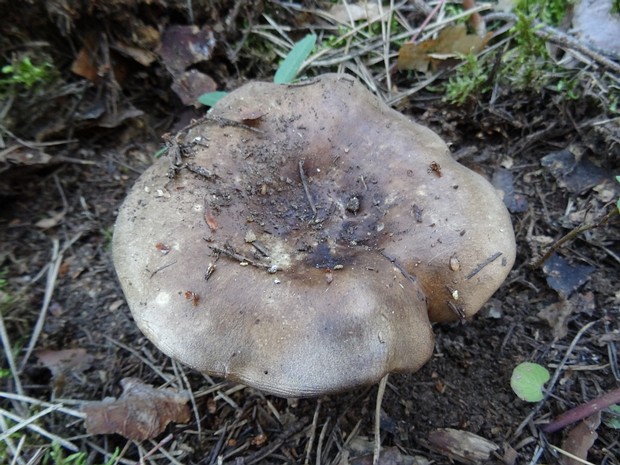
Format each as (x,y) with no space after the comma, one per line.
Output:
(57,218)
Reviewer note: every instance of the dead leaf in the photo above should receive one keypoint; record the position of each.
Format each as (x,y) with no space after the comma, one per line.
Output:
(355,12)
(141,412)
(124,112)
(183,46)
(191,84)
(559,313)
(503,180)
(85,63)
(450,43)
(565,277)
(580,439)
(462,445)
(63,361)
(24,156)
(90,64)
(140,55)
(47,223)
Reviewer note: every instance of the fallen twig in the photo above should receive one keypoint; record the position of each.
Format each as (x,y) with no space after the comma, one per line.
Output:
(582,411)
(560,38)
(380,392)
(573,234)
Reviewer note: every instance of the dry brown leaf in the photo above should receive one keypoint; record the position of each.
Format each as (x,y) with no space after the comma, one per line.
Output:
(85,63)
(355,12)
(559,313)
(191,84)
(580,439)
(24,156)
(141,412)
(47,223)
(62,361)
(140,55)
(184,46)
(451,42)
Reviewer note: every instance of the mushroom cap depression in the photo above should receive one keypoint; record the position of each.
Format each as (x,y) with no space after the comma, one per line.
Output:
(301,238)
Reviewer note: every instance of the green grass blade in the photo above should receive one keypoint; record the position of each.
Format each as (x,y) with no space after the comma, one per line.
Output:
(211,98)
(291,64)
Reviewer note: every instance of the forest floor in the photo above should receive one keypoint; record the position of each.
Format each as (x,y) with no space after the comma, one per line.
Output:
(72,150)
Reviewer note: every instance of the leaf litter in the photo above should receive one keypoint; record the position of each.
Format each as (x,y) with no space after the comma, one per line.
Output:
(141,412)
(470,401)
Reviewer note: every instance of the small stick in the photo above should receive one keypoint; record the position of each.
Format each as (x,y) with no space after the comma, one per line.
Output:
(380,392)
(304,182)
(161,268)
(156,447)
(37,429)
(8,350)
(427,20)
(573,234)
(480,266)
(315,420)
(319,447)
(562,39)
(404,272)
(582,411)
(240,258)
(229,122)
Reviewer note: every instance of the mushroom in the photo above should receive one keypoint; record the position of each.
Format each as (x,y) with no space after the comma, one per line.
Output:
(301,239)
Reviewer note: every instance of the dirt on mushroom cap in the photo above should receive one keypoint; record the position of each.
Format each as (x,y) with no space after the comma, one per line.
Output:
(304,246)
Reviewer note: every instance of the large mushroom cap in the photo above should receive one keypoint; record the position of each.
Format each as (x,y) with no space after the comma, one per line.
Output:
(305,239)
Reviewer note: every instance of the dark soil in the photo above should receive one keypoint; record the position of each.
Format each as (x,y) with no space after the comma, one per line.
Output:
(465,386)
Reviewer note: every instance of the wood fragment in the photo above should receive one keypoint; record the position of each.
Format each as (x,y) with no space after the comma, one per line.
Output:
(481,266)
(163,267)
(243,261)
(304,182)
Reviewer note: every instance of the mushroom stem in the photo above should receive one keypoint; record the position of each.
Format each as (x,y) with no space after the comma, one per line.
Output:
(380,392)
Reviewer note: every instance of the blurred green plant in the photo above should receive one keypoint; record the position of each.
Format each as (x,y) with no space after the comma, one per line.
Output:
(286,72)
(26,74)
(526,64)
(550,12)
(56,456)
(612,417)
(468,81)
(291,65)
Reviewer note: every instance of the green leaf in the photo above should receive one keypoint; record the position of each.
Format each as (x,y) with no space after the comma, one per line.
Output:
(612,418)
(211,98)
(291,64)
(160,152)
(527,381)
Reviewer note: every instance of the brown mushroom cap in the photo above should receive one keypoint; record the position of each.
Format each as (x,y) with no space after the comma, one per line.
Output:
(307,239)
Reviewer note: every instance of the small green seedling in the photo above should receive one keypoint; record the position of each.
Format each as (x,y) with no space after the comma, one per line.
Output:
(527,381)
(286,72)
(612,417)
(291,64)
(56,456)
(211,98)
(25,73)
